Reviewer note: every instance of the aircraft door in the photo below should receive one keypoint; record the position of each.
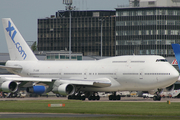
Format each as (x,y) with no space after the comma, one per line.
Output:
(60,73)
(141,74)
(115,73)
(85,74)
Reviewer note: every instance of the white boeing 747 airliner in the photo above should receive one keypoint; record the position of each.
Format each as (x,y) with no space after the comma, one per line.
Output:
(82,79)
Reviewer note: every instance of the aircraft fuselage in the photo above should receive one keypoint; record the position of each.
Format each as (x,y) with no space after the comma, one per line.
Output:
(125,72)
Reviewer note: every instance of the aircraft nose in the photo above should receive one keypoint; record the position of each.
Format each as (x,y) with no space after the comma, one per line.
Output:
(174,74)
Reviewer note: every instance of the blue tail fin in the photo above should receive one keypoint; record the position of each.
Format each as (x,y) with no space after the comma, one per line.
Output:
(176,49)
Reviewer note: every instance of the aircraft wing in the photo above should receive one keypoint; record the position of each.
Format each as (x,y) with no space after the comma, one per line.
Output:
(100,82)
(21,79)
(10,83)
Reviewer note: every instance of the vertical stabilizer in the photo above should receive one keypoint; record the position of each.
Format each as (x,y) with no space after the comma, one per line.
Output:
(176,49)
(17,46)
(174,62)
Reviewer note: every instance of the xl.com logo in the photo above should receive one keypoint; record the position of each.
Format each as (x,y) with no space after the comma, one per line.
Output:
(17,44)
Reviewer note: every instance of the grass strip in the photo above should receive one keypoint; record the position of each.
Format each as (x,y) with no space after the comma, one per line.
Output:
(73,106)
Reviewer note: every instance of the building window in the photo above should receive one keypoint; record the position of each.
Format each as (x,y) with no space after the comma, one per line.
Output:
(150,12)
(79,57)
(125,13)
(139,13)
(151,3)
(73,57)
(62,56)
(120,23)
(48,57)
(170,22)
(56,56)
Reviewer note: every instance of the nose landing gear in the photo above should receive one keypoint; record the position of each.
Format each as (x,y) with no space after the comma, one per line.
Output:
(157,97)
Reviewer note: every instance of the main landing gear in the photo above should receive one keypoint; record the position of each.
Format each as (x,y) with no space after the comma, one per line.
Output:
(76,97)
(114,97)
(94,97)
(80,96)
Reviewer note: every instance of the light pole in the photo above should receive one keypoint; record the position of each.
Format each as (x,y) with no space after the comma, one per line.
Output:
(68,7)
(101,20)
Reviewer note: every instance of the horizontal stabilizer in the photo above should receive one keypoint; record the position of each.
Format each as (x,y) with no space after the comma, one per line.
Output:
(12,69)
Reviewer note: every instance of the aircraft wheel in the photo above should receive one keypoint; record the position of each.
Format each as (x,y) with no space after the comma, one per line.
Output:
(114,97)
(73,96)
(89,98)
(69,97)
(97,97)
(57,95)
(158,98)
(118,97)
(93,97)
(155,98)
(83,97)
(110,97)
(78,97)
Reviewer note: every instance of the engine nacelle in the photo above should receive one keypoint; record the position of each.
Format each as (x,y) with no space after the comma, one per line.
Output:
(36,89)
(9,86)
(64,89)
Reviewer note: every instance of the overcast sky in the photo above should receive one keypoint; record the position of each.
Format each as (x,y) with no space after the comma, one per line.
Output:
(24,13)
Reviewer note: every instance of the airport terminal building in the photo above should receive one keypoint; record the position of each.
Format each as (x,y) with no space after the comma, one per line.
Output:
(53,32)
(148,27)
(145,27)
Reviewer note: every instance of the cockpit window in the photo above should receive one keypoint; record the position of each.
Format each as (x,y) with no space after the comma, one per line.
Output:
(161,60)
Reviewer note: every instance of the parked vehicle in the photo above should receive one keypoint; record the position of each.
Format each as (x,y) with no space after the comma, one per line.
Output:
(147,95)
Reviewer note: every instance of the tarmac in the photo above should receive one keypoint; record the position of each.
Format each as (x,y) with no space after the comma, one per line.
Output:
(103,99)
(44,115)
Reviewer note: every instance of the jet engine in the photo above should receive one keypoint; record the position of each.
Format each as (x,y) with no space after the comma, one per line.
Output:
(64,89)
(9,86)
(40,89)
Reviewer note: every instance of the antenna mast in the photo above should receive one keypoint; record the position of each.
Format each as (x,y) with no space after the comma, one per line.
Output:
(68,4)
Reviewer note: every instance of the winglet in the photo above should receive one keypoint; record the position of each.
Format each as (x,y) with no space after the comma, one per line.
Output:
(17,46)
(176,49)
